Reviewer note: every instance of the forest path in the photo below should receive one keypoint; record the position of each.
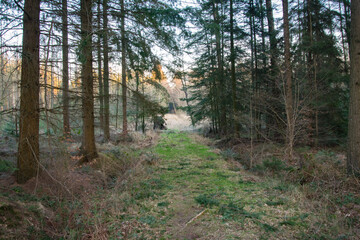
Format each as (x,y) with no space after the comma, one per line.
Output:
(193,193)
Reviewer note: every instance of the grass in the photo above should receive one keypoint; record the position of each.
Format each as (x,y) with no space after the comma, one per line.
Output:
(207,200)
(204,181)
(7,166)
(185,190)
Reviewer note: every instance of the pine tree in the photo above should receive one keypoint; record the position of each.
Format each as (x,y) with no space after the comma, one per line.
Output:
(65,70)
(106,73)
(290,132)
(123,67)
(353,157)
(89,148)
(28,152)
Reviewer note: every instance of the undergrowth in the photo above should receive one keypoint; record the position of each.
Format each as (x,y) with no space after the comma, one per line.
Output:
(181,188)
(318,175)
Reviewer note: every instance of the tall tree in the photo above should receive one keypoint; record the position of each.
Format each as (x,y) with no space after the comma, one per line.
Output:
(89,148)
(353,157)
(233,76)
(28,152)
(99,58)
(106,73)
(123,68)
(220,69)
(274,74)
(65,70)
(290,119)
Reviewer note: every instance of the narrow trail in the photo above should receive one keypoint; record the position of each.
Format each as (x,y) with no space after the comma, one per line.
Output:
(193,193)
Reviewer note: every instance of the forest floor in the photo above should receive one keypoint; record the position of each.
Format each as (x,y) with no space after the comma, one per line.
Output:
(168,186)
(195,194)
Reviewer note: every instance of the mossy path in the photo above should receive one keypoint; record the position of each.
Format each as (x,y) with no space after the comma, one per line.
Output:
(193,193)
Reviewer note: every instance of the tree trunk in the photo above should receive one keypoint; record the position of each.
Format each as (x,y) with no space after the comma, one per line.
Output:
(28,152)
(117,102)
(46,99)
(233,77)
(310,70)
(256,75)
(273,42)
(347,21)
(263,55)
(123,68)
(290,132)
(65,70)
(52,94)
(253,72)
(137,102)
(353,157)
(143,110)
(106,74)
(220,70)
(274,74)
(343,41)
(89,148)
(101,89)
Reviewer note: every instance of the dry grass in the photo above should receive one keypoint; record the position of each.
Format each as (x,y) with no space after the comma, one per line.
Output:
(129,191)
(66,195)
(320,180)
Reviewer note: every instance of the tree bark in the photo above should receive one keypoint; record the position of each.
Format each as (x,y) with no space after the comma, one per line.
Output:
(89,148)
(123,68)
(28,151)
(274,74)
(220,70)
(261,9)
(117,101)
(257,112)
(137,102)
(290,133)
(65,70)
(106,74)
(100,79)
(347,21)
(273,41)
(346,70)
(233,77)
(353,157)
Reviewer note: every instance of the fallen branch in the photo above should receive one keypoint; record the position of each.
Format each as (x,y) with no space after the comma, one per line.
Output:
(194,218)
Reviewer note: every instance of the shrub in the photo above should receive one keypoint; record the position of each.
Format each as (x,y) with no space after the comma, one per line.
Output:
(229,154)
(274,164)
